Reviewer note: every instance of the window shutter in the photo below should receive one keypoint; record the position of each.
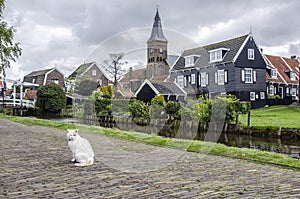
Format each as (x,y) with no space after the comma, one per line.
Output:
(199,82)
(216,77)
(254,76)
(243,75)
(225,76)
(185,81)
(206,77)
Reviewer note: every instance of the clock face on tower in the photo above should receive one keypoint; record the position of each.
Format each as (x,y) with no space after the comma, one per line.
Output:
(160,50)
(151,50)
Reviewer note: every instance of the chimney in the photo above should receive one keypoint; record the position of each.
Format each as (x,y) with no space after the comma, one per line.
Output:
(293,57)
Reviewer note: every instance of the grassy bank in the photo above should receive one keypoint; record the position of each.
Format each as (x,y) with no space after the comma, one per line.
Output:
(195,146)
(273,116)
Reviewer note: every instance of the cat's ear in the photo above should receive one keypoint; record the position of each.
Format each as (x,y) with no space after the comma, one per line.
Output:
(76,131)
(68,130)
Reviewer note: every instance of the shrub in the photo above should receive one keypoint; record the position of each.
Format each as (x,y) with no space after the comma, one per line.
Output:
(50,99)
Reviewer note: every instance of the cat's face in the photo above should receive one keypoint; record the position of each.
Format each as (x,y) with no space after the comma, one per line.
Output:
(72,134)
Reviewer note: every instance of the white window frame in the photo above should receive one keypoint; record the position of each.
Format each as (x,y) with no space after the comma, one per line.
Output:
(189,61)
(215,55)
(274,73)
(94,72)
(193,78)
(55,81)
(221,77)
(252,96)
(271,90)
(287,90)
(262,95)
(180,81)
(248,75)
(293,76)
(293,91)
(203,79)
(251,54)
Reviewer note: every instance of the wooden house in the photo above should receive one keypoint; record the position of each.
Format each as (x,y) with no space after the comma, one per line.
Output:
(235,66)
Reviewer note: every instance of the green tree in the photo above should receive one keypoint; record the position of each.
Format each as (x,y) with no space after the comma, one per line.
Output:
(50,98)
(86,87)
(9,50)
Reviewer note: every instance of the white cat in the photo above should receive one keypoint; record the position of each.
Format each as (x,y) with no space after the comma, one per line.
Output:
(82,151)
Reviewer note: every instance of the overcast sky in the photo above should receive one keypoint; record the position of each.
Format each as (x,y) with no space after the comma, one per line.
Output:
(66,33)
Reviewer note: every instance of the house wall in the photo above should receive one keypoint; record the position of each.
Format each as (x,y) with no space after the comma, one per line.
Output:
(146,94)
(55,74)
(99,77)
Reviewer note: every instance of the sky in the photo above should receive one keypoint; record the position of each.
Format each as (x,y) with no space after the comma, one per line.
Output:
(65,34)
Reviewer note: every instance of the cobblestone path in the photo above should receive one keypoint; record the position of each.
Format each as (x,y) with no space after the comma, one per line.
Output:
(35,163)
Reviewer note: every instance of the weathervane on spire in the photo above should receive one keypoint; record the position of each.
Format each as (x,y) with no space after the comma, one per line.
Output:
(157,5)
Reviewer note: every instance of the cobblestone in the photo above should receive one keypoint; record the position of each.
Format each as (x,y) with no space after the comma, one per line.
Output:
(35,163)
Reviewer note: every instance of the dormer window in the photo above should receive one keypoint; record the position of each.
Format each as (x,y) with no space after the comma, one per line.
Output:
(293,76)
(251,54)
(190,60)
(274,73)
(217,55)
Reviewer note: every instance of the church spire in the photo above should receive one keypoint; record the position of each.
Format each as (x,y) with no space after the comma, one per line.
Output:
(157,33)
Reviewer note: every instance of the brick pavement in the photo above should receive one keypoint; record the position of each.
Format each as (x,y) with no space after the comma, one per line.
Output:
(35,163)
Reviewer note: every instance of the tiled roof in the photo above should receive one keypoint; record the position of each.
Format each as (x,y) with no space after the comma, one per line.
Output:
(80,70)
(283,66)
(38,73)
(203,52)
(134,74)
(168,88)
(38,76)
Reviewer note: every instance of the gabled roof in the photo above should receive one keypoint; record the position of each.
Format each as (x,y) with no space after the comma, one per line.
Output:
(233,45)
(157,33)
(38,73)
(284,66)
(39,76)
(163,88)
(83,68)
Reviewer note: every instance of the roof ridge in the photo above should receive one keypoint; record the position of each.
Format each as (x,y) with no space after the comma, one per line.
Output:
(220,42)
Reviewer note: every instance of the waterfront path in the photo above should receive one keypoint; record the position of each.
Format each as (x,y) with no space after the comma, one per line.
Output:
(35,163)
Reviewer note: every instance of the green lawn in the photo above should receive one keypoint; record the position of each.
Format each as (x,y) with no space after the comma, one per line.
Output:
(274,116)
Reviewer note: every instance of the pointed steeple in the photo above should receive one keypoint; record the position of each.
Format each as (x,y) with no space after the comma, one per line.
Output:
(157,33)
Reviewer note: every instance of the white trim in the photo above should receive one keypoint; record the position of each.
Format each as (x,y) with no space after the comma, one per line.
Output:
(241,48)
(151,86)
(286,64)
(180,89)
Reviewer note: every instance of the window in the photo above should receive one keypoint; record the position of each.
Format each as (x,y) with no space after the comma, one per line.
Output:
(193,78)
(216,56)
(189,61)
(248,76)
(271,91)
(293,92)
(203,79)
(33,80)
(292,76)
(180,81)
(251,54)
(274,73)
(262,95)
(287,90)
(221,79)
(252,96)
(94,73)
(56,81)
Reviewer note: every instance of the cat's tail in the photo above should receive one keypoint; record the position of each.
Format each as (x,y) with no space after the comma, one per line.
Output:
(90,161)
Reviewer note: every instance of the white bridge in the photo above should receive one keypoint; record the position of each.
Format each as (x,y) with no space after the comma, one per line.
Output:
(17,103)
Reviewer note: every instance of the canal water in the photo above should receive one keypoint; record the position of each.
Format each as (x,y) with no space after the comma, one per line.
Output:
(289,147)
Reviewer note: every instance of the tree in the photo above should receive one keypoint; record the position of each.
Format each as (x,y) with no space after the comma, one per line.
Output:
(86,87)
(113,66)
(9,51)
(50,98)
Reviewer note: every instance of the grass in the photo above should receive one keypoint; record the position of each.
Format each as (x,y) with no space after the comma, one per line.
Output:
(272,117)
(190,145)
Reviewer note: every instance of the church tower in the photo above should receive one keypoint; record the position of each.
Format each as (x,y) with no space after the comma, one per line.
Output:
(157,51)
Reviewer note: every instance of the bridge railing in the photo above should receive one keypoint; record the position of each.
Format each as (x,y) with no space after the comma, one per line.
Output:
(17,103)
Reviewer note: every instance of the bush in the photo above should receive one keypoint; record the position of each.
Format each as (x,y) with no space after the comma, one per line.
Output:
(139,109)
(158,99)
(50,99)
